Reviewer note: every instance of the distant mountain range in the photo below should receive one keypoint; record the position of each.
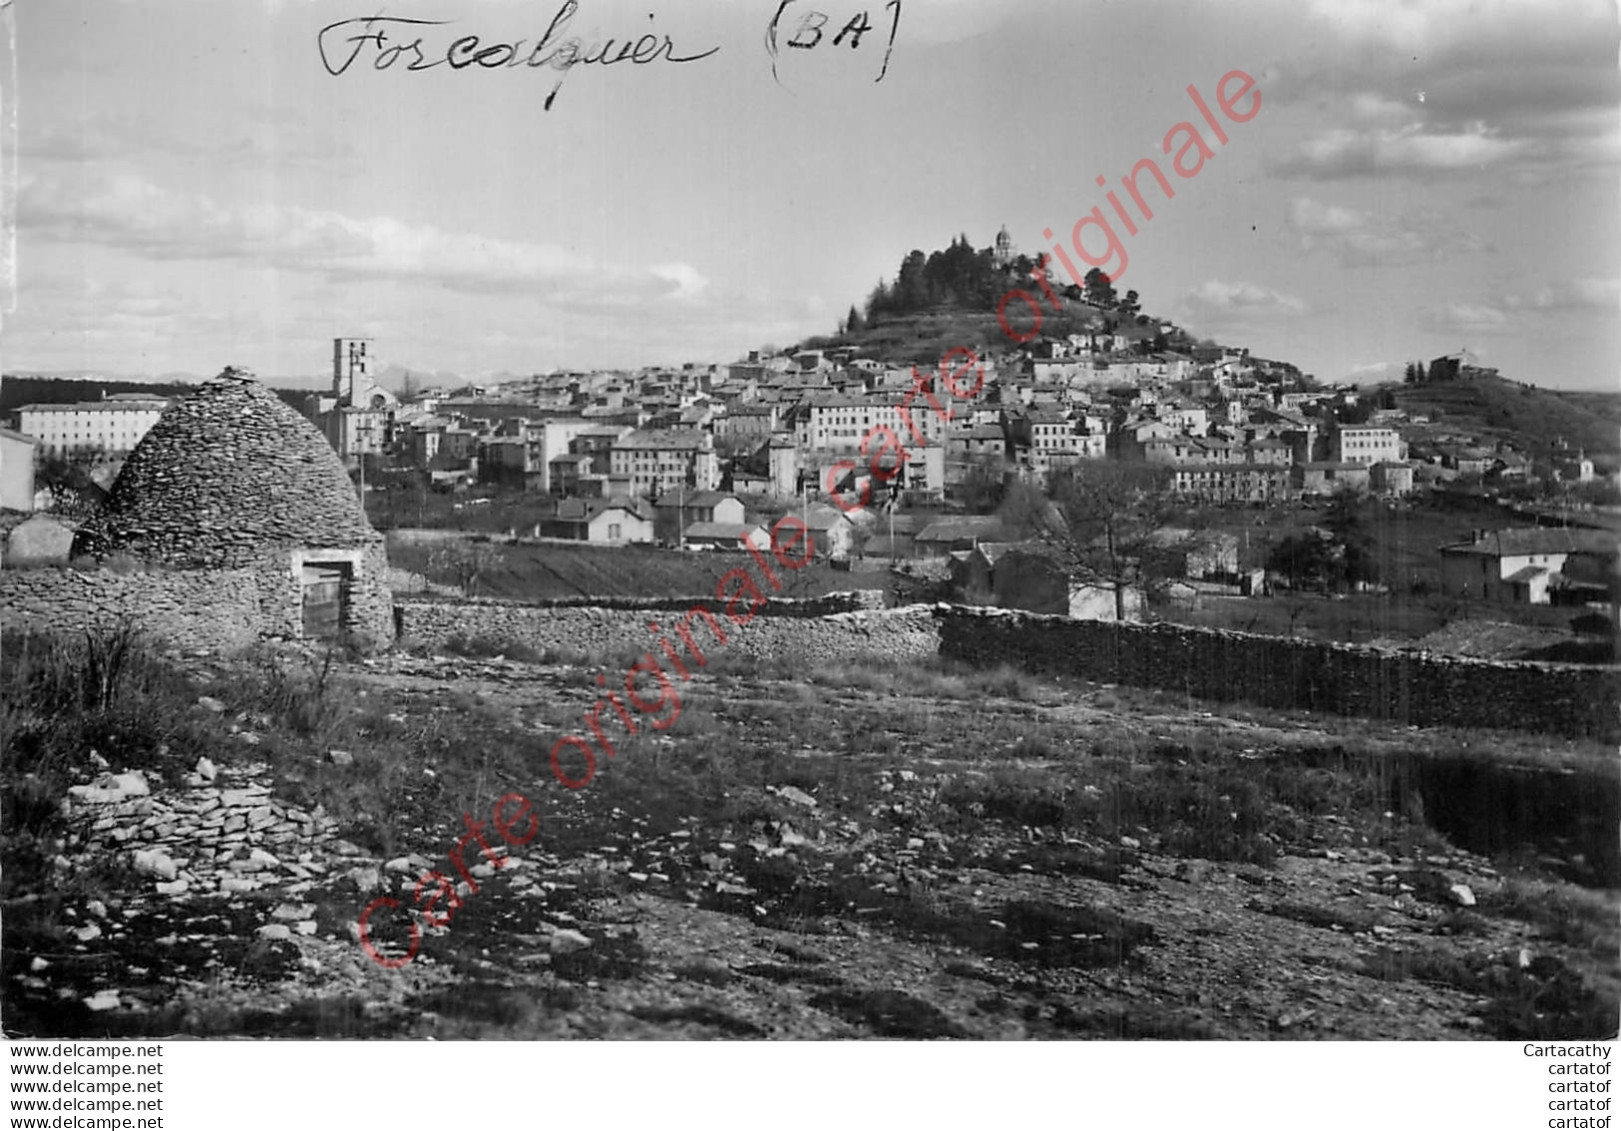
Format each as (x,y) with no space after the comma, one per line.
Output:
(103,375)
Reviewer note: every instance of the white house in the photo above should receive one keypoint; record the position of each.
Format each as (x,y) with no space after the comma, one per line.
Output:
(1368,445)
(1525,565)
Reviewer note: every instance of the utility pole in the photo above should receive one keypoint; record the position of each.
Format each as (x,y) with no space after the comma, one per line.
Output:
(363,432)
(892,528)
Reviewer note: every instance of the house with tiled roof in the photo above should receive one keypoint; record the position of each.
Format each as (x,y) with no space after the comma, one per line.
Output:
(675,510)
(1535,565)
(1034,576)
(724,535)
(1267,449)
(604,521)
(1327,477)
(1392,477)
(832,530)
(961,532)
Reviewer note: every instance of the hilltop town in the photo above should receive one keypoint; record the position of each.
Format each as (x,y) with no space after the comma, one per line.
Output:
(940,774)
(1238,484)
(888,523)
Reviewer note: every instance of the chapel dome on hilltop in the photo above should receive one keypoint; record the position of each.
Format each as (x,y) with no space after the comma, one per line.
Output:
(1002,253)
(225,475)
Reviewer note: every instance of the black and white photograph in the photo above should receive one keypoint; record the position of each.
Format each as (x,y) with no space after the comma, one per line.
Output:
(910,523)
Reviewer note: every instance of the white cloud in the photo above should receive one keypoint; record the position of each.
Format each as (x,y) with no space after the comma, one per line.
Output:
(1379,110)
(259,140)
(1588,297)
(1445,86)
(1409,25)
(1375,372)
(687,281)
(1362,239)
(1217,296)
(134,215)
(1577,294)
(1465,317)
(1346,152)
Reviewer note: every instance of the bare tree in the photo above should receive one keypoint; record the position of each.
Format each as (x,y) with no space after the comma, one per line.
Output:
(1104,521)
(464,562)
(983,486)
(1296,608)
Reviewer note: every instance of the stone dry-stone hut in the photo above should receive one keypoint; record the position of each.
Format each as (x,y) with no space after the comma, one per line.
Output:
(244,508)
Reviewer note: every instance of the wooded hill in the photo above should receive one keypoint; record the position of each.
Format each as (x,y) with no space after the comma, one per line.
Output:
(947,299)
(18,391)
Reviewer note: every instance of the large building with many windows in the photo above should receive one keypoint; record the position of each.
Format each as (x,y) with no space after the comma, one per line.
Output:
(656,461)
(111,426)
(835,422)
(1231,482)
(1357,444)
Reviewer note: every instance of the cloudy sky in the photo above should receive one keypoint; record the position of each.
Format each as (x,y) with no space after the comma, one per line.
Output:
(198,189)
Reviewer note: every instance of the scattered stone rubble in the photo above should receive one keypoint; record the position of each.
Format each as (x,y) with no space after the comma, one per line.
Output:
(222,834)
(676,919)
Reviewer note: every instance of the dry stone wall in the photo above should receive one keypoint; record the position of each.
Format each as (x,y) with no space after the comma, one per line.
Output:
(826,630)
(849,601)
(370,617)
(1288,673)
(217,609)
(227,608)
(1408,687)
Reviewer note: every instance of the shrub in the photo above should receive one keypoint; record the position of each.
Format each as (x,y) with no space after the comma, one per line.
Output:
(64,698)
(1016,797)
(60,690)
(296,695)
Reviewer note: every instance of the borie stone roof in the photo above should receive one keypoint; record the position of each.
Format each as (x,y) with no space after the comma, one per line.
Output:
(226,474)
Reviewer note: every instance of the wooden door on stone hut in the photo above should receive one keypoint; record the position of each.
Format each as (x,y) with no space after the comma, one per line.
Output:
(325,595)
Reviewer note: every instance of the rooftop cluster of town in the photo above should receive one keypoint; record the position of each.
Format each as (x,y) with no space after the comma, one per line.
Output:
(1229,427)
(704,455)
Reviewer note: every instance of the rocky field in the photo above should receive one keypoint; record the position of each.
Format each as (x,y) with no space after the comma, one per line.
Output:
(887,850)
